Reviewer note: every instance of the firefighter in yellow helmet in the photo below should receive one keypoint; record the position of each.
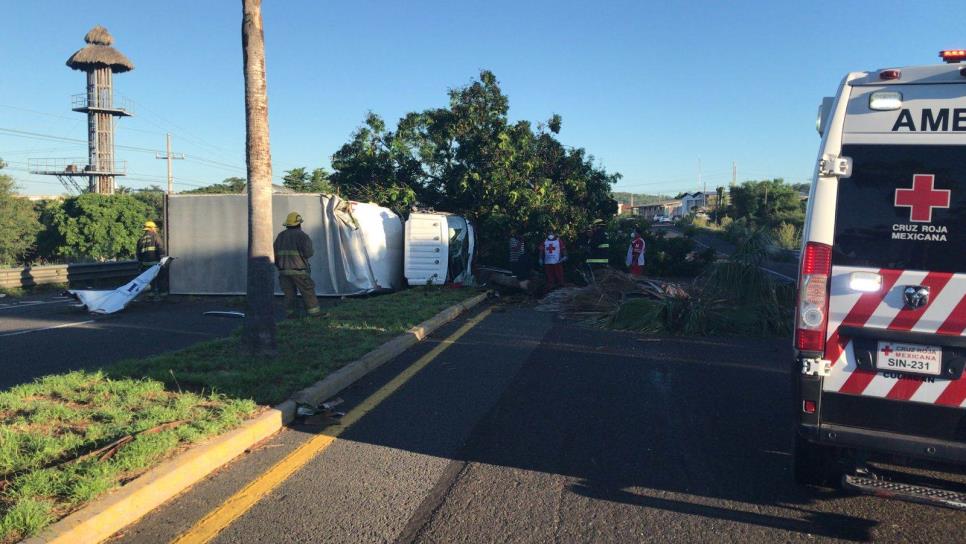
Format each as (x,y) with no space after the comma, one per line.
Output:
(293,249)
(150,250)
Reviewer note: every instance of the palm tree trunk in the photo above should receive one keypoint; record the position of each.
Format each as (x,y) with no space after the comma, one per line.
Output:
(259,328)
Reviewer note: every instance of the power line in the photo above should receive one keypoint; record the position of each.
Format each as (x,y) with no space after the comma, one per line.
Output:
(52,137)
(216,163)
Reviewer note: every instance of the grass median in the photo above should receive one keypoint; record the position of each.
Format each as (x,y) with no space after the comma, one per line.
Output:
(66,439)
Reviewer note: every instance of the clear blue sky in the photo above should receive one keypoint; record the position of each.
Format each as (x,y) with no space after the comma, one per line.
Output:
(648,88)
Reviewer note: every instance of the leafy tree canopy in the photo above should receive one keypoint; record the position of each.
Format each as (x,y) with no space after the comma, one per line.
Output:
(153,196)
(468,158)
(18,223)
(232,185)
(301,180)
(767,203)
(94,226)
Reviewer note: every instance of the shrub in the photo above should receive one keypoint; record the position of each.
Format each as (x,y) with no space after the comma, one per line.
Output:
(786,236)
(729,298)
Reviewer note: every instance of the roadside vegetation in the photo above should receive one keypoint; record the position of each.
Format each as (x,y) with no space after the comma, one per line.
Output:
(66,439)
(308,349)
(686,291)
(731,298)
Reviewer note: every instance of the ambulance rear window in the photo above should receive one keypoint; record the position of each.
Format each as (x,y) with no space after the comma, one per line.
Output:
(904,207)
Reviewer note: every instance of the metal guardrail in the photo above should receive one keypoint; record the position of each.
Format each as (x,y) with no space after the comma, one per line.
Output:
(66,273)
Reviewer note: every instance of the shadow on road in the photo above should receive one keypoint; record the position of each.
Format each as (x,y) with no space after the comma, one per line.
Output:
(811,522)
(700,427)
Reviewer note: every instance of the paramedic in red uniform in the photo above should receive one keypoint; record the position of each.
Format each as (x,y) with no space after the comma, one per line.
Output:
(635,255)
(552,255)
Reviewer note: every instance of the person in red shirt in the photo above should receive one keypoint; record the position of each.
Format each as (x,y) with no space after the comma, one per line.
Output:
(635,255)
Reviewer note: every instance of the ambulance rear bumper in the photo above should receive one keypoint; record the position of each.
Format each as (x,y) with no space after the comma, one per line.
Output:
(885,442)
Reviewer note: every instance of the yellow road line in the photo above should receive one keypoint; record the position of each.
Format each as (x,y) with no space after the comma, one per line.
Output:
(235,506)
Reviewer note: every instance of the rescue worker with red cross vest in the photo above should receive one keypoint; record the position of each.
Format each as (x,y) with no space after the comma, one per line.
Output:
(635,254)
(150,250)
(553,253)
(293,249)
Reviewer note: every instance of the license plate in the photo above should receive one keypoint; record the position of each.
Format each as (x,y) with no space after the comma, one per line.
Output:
(913,358)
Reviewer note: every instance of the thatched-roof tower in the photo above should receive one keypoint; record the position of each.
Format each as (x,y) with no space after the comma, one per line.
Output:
(100,61)
(99,54)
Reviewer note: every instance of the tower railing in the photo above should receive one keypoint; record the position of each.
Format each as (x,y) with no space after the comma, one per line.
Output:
(102,100)
(76,167)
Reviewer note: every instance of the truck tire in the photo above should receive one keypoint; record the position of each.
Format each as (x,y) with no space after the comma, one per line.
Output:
(817,465)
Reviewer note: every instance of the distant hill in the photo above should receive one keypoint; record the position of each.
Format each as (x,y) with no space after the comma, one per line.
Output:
(639,198)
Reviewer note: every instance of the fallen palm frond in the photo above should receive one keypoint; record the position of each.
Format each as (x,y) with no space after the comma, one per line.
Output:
(729,298)
(605,295)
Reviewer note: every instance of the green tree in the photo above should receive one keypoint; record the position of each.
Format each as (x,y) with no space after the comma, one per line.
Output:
(296,179)
(468,158)
(153,196)
(232,185)
(767,203)
(94,226)
(301,181)
(319,181)
(719,204)
(18,223)
(366,170)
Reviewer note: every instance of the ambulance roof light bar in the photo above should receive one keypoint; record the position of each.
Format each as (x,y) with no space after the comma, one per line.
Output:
(891,73)
(953,56)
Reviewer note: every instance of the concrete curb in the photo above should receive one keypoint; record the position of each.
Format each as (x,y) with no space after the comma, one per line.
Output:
(111,513)
(347,375)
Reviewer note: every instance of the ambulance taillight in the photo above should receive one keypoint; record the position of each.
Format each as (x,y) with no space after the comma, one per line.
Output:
(812,316)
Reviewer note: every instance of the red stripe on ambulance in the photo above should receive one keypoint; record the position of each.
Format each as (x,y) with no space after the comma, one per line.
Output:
(860,313)
(905,386)
(956,323)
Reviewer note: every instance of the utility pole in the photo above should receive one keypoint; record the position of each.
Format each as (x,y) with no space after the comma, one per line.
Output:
(734,173)
(169,156)
(699,173)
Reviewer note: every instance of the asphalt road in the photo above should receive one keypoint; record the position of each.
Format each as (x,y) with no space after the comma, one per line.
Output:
(533,429)
(783,270)
(41,335)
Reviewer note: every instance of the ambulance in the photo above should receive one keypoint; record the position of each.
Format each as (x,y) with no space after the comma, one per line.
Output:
(881,312)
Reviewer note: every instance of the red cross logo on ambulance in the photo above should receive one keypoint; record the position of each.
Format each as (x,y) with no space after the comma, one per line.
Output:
(922,198)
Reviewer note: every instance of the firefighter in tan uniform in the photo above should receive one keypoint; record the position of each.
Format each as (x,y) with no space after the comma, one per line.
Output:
(150,250)
(293,249)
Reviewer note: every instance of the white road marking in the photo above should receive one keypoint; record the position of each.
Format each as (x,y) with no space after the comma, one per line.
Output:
(61,326)
(31,304)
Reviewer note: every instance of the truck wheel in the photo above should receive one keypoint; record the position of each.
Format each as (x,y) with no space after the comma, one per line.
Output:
(816,465)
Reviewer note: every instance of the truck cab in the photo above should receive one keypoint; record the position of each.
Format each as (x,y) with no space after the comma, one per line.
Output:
(879,347)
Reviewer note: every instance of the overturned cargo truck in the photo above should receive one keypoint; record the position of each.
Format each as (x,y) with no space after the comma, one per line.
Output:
(358,246)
